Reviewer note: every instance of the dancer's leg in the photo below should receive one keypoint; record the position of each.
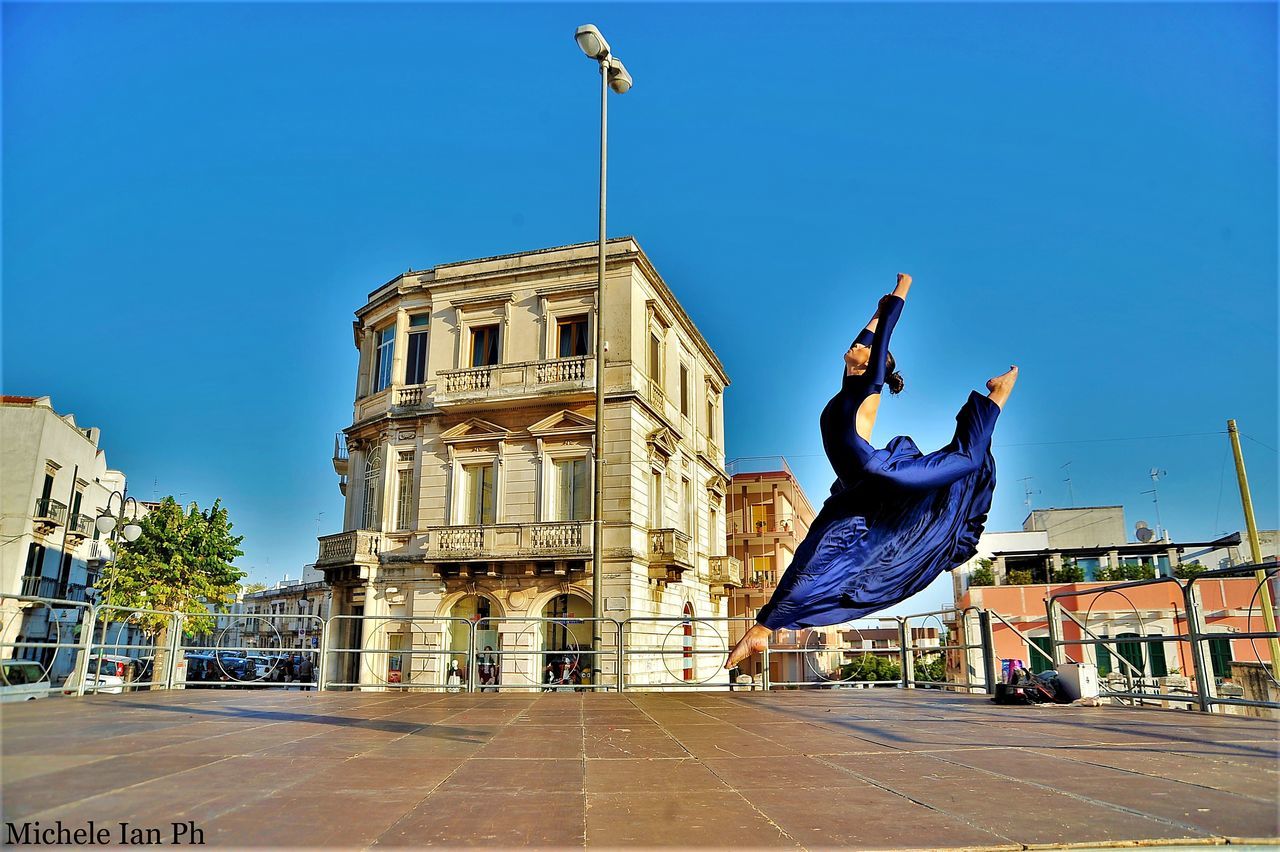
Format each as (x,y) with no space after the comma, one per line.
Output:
(967,450)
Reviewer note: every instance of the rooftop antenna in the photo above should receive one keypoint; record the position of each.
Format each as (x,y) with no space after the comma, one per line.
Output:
(1026,480)
(1071,496)
(1155,475)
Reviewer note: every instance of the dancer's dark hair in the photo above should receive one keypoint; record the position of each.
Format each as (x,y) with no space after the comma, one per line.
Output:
(894,378)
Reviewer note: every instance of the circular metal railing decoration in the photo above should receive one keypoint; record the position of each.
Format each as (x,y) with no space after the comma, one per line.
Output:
(825,677)
(691,650)
(1248,625)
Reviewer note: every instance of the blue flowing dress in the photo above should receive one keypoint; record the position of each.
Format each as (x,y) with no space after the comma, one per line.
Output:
(896,518)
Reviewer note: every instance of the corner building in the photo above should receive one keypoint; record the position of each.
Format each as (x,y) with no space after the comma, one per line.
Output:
(468,475)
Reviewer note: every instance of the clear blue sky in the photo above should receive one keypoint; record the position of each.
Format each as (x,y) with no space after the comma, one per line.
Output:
(196,197)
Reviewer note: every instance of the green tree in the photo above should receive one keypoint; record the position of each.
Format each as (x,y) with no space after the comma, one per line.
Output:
(1019,578)
(180,563)
(1187,570)
(250,588)
(1070,572)
(871,667)
(983,575)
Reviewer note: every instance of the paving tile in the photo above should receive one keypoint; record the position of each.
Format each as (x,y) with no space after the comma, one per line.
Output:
(648,741)
(77,782)
(1046,816)
(869,819)
(1198,808)
(504,820)
(682,820)
(306,819)
(1262,779)
(651,776)
(792,771)
(483,775)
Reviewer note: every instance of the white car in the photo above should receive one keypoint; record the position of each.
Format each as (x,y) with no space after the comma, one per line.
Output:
(22,680)
(107,673)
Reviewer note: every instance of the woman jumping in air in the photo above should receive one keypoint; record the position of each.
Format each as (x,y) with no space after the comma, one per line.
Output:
(896,517)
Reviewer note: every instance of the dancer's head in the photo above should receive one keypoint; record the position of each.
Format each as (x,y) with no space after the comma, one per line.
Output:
(859,357)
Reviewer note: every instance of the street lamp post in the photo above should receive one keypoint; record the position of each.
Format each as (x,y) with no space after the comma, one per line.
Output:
(116,527)
(613,75)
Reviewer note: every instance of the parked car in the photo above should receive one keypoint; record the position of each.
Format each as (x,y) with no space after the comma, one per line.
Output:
(112,673)
(22,680)
(264,667)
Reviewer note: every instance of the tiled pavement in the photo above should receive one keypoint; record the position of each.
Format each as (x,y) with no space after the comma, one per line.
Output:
(861,769)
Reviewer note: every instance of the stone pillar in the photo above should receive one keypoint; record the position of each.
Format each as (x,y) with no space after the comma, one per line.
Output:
(998,570)
(363,377)
(401,348)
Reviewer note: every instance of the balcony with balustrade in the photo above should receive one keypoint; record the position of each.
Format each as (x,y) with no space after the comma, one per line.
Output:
(347,555)
(669,555)
(48,515)
(549,540)
(79,529)
(515,383)
(724,574)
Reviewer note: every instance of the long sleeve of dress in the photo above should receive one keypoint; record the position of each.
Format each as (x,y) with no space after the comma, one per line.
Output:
(846,451)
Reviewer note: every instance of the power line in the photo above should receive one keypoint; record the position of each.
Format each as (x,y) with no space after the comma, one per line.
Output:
(1260,444)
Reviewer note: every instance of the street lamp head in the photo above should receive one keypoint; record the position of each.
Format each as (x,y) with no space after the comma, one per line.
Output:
(619,80)
(105,523)
(591,42)
(131,532)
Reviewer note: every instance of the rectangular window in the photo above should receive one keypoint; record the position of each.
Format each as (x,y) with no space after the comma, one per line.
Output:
(711,415)
(35,560)
(684,390)
(47,491)
(655,501)
(1159,666)
(415,369)
(655,359)
(573,493)
(759,517)
(686,491)
(64,573)
(572,336)
(484,345)
(713,520)
(384,356)
(1220,657)
(1039,662)
(404,499)
(477,494)
(372,492)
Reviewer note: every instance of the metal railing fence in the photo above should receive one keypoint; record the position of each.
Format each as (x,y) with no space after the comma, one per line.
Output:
(387,652)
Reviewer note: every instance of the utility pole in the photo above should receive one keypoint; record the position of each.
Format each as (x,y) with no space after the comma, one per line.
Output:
(1255,547)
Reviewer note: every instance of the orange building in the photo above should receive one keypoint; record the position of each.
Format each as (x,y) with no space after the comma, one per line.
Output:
(768,515)
(996,580)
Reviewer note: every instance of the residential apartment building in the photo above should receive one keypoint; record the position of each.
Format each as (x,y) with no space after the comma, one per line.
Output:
(768,516)
(54,482)
(1050,556)
(289,614)
(468,473)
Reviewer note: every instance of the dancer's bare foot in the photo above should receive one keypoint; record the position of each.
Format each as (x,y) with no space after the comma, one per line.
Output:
(753,642)
(1001,386)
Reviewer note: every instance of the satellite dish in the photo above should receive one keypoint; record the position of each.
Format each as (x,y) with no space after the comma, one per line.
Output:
(1143,532)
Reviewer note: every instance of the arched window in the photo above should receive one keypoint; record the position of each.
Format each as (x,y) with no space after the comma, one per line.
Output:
(372,490)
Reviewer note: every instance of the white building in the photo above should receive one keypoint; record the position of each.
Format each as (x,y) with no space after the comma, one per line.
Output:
(54,482)
(468,472)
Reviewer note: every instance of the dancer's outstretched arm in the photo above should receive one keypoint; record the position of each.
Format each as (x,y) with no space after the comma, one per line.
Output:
(867,335)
